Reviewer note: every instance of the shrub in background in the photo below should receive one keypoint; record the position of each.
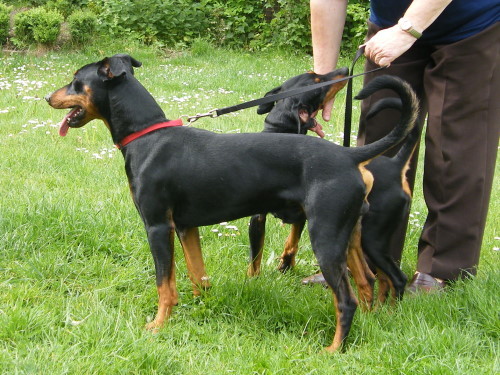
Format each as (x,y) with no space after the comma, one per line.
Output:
(37,25)
(173,22)
(355,25)
(4,22)
(65,7)
(252,24)
(236,23)
(289,26)
(82,25)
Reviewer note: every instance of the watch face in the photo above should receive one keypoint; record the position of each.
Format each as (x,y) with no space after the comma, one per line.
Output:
(405,24)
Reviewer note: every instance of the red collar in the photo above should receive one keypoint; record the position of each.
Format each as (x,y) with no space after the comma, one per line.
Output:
(132,137)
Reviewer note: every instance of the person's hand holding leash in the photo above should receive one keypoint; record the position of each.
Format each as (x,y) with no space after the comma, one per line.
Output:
(387,45)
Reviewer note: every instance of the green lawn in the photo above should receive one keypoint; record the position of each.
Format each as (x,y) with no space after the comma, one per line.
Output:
(77,279)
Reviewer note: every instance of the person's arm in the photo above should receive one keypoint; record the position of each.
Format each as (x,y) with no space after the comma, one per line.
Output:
(327,24)
(388,44)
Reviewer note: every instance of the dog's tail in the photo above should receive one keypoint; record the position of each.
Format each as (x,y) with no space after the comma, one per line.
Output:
(409,114)
(410,143)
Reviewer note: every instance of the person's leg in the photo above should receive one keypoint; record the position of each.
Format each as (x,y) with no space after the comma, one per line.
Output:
(463,90)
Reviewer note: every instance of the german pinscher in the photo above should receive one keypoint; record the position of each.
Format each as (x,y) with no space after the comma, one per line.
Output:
(389,199)
(178,183)
(296,115)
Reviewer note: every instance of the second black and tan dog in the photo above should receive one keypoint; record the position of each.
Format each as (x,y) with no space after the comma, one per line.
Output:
(389,199)
(178,183)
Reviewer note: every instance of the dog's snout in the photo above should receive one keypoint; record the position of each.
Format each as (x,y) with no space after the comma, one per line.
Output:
(47,97)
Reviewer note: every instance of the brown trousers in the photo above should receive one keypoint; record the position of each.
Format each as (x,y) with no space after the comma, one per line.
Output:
(459,88)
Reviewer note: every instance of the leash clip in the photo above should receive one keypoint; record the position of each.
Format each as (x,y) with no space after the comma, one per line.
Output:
(191,119)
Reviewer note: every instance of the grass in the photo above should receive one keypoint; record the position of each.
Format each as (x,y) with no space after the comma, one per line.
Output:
(77,278)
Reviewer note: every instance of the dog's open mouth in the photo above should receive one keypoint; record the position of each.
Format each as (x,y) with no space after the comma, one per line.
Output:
(310,123)
(72,119)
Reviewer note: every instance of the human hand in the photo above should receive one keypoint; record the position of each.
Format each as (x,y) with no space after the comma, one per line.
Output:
(326,112)
(387,45)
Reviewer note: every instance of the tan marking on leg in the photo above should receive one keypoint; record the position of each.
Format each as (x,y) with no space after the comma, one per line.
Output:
(167,295)
(255,263)
(291,247)
(190,241)
(360,271)
(337,338)
(367,176)
(254,266)
(167,299)
(404,181)
(384,285)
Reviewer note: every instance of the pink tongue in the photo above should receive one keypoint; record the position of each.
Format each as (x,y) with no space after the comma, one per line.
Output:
(63,130)
(318,129)
(64,127)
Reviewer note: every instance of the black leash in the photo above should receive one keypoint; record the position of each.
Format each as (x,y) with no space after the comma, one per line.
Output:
(286,94)
(267,99)
(348,101)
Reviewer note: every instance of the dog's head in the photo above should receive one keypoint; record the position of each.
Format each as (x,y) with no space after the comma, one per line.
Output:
(86,94)
(296,114)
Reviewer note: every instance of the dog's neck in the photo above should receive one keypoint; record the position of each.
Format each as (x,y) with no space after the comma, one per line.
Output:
(124,100)
(283,122)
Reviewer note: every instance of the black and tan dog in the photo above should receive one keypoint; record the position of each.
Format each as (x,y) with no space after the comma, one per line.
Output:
(178,183)
(296,115)
(389,199)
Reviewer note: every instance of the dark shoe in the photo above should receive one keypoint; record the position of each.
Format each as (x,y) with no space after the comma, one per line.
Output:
(423,282)
(314,279)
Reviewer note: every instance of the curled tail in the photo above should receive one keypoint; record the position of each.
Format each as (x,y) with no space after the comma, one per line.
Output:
(409,114)
(411,140)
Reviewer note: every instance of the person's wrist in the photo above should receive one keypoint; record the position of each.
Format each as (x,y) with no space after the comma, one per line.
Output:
(403,35)
(407,27)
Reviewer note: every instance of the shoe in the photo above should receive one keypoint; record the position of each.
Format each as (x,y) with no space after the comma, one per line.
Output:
(422,282)
(315,279)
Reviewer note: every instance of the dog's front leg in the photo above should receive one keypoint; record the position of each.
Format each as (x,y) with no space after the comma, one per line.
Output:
(161,242)
(256,233)
(190,240)
(287,259)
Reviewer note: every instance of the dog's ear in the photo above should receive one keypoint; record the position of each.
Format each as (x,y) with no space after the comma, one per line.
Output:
(265,108)
(117,66)
(129,60)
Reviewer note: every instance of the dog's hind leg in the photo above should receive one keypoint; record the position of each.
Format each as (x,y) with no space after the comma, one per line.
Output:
(330,228)
(190,240)
(256,232)
(361,273)
(375,242)
(287,260)
(161,242)
(335,273)
(384,286)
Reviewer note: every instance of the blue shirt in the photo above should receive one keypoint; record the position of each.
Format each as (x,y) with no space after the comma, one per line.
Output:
(459,20)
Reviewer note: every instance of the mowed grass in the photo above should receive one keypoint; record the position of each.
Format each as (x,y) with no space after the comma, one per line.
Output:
(77,278)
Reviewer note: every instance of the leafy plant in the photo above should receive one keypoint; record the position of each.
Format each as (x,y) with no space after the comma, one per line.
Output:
(355,25)
(290,26)
(82,25)
(38,25)
(240,21)
(65,7)
(4,22)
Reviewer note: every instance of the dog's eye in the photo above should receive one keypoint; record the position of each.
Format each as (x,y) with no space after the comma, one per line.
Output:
(77,85)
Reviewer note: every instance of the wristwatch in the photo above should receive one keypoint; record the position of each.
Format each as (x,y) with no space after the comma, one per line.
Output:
(406,26)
